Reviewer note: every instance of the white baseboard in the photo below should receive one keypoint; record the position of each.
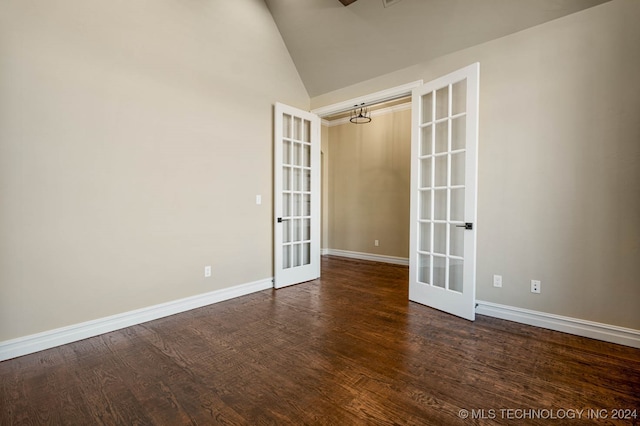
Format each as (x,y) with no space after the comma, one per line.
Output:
(60,336)
(367,256)
(579,327)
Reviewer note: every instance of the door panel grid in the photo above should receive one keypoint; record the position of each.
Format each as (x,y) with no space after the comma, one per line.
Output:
(296,192)
(442,181)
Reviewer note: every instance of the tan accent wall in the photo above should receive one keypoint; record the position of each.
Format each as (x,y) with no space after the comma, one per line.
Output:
(369,177)
(324,170)
(559,162)
(134,137)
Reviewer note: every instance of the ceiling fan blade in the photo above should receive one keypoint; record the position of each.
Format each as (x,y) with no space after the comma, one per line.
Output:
(347,2)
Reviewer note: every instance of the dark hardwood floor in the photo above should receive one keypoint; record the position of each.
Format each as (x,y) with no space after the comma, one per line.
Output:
(346,349)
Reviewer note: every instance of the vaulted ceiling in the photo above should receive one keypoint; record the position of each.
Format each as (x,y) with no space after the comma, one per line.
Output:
(334,46)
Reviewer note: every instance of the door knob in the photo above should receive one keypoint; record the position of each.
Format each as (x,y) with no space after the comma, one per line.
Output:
(467,225)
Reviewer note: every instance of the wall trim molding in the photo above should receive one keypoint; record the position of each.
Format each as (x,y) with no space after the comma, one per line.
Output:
(61,336)
(374,113)
(579,327)
(368,256)
(370,99)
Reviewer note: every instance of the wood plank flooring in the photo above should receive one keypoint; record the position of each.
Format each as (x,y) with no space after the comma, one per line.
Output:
(347,349)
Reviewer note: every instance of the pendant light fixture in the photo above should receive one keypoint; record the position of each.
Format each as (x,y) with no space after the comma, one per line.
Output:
(360,114)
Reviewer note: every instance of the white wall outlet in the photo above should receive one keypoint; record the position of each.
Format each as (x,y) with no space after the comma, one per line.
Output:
(535,286)
(376,243)
(497,280)
(258,199)
(207,271)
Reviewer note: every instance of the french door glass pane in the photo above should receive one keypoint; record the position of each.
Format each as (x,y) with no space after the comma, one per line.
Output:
(439,271)
(297,128)
(425,204)
(286,126)
(306,180)
(286,231)
(455,274)
(286,205)
(297,205)
(442,102)
(306,230)
(297,154)
(297,231)
(297,256)
(306,253)
(456,245)
(457,168)
(442,134)
(441,171)
(306,205)
(440,238)
(286,257)
(440,204)
(459,97)
(425,237)
(457,204)
(427,108)
(306,131)
(306,160)
(286,178)
(424,268)
(458,133)
(425,173)
(425,140)
(297,179)
(286,152)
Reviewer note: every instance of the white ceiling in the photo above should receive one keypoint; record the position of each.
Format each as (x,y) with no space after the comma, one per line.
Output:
(334,46)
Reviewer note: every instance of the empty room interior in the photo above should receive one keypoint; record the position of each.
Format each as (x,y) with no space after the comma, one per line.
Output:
(319,212)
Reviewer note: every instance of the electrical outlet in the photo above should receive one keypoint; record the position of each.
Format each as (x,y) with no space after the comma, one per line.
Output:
(376,243)
(497,280)
(535,286)
(207,271)
(258,199)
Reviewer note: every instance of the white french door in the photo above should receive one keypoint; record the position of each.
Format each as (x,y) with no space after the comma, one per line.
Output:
(296,196)
(444,142)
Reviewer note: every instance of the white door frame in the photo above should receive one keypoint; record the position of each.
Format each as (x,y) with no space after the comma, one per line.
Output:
(373,98)
(370,99)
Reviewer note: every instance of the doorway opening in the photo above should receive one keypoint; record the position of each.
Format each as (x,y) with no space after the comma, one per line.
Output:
(366,207)
(365,211)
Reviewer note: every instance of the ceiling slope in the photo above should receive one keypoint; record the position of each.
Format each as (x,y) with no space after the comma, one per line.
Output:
(334,46)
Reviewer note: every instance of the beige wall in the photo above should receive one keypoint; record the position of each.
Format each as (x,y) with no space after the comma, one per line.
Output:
(559,162)
(369,176)
(134,137)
